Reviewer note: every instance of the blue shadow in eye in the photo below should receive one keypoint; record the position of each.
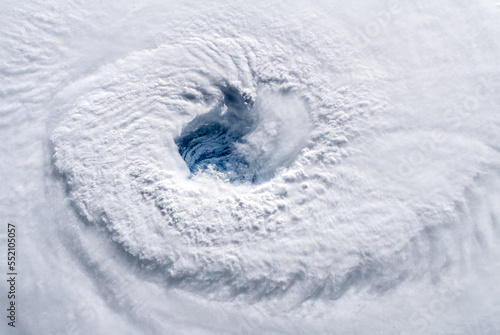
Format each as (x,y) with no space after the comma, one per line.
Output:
(210,140)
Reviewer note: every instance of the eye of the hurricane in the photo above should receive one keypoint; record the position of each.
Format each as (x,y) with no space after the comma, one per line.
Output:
(210,141)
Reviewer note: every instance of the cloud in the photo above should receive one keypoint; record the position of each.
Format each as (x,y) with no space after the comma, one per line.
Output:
(331,183)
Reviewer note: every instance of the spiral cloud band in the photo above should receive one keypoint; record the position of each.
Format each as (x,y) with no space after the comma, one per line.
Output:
(255,168)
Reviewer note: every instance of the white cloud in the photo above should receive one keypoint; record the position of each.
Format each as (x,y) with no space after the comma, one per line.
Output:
(376,210)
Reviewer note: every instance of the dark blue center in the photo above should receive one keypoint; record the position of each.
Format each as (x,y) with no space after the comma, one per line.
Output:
(210,140)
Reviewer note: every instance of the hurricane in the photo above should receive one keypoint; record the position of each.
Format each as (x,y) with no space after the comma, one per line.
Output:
(252,168)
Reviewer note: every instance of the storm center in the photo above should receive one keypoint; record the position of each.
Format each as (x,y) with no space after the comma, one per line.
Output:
(210,141)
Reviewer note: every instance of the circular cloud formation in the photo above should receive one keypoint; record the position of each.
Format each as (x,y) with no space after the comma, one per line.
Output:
(205,165)
(220,165)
